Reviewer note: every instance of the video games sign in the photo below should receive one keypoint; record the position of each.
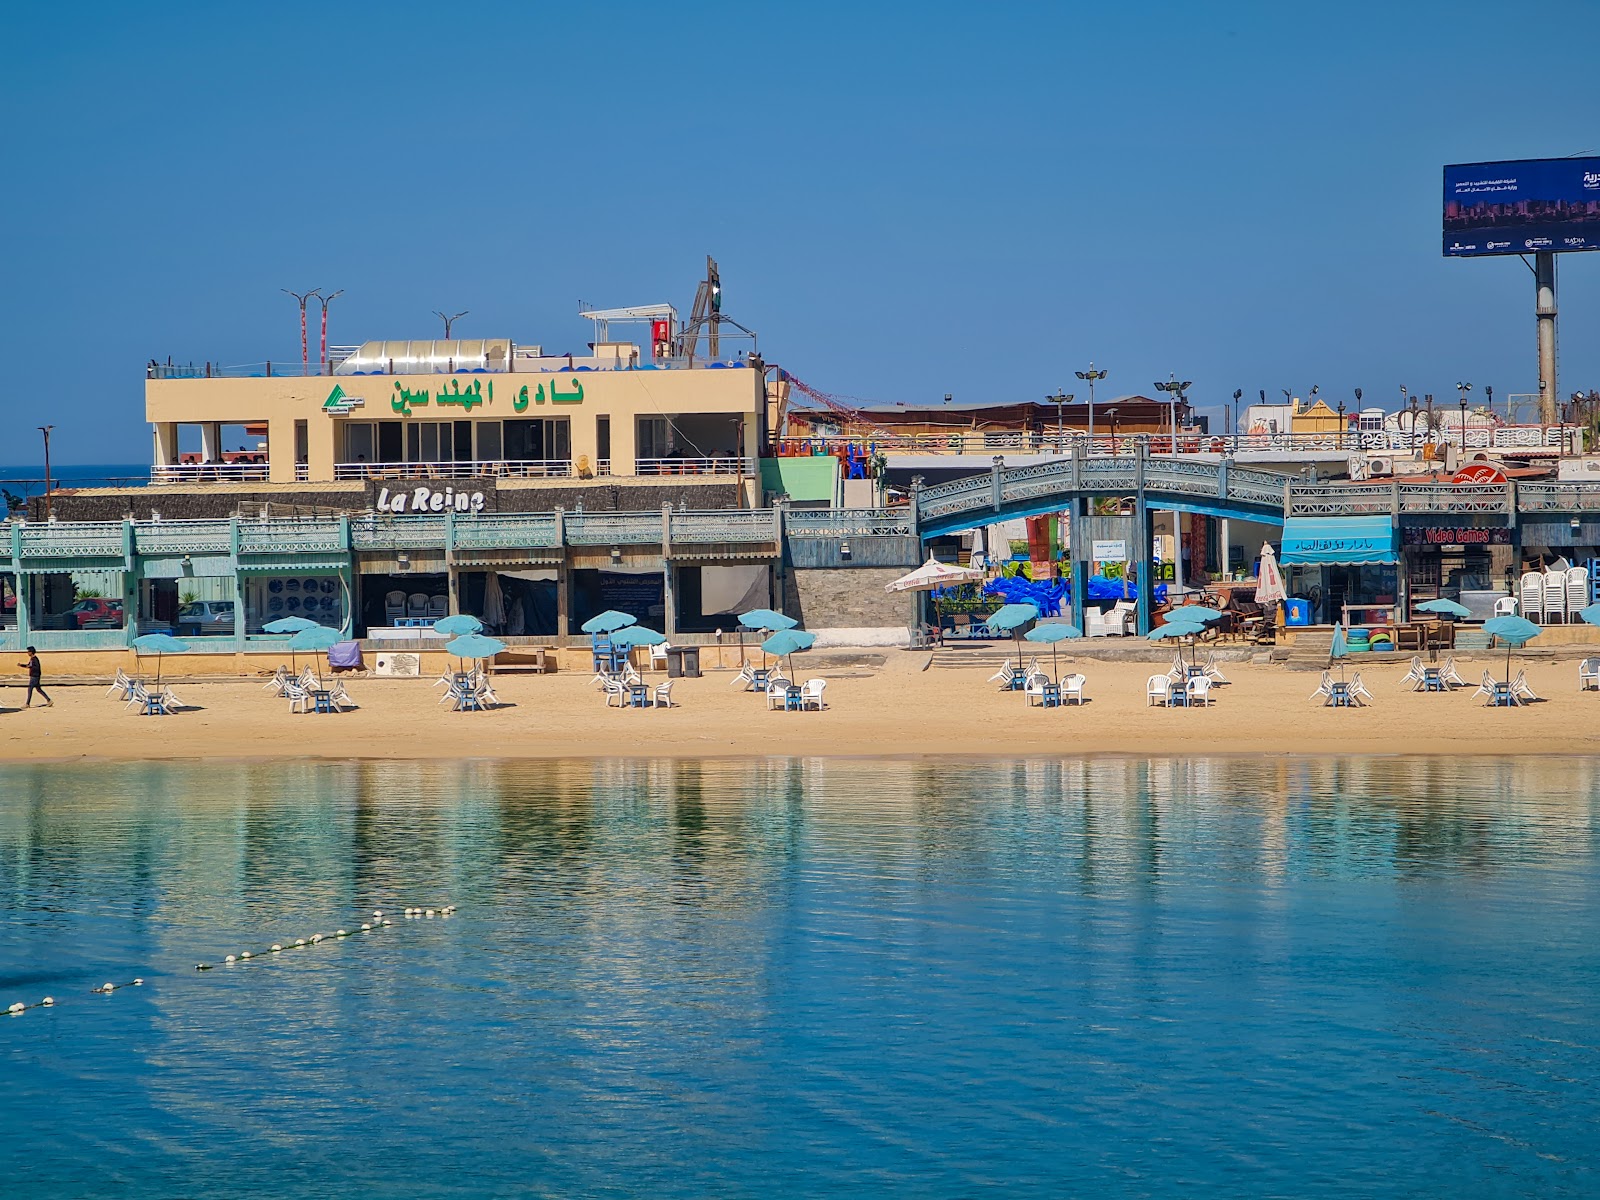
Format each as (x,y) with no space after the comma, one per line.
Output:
(1521,207)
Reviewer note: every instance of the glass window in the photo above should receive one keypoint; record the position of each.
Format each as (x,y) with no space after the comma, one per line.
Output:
(358,442)
(389,441)
(558,439)
(8,601)
(78,600)
(430,442)
(463,446)
(521,441)
(414,442)
(652,437)
(488,441)
(189,608)
(320,597)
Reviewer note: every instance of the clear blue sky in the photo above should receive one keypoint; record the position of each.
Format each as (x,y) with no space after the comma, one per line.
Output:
(906,200)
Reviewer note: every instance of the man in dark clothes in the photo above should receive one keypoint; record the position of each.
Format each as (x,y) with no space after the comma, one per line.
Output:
(34,671)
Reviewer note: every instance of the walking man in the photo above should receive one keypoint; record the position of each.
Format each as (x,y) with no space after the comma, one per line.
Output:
(35,669)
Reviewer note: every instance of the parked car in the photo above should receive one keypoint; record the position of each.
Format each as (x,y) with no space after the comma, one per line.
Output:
(92,612)
(206,617)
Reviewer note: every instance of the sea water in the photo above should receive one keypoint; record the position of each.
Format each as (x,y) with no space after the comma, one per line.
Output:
(685,978)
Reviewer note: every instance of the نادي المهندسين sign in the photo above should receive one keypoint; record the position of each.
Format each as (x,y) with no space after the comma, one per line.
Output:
(1109,550)
(425,499)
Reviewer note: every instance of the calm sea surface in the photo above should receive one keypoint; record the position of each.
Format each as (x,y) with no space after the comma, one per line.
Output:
(793,977)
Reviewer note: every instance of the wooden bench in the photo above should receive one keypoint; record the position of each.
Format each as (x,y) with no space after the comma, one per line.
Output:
(541,660)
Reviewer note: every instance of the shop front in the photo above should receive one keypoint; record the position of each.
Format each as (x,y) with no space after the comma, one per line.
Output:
(1469,563)
(1345,568)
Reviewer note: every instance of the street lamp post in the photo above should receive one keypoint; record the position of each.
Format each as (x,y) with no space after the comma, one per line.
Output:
(1091,376)
(450,320)
(1462,389)
(1174,391)
(1233,418)
(1413,424)
(1340,443)
(45,429)
(1060,399)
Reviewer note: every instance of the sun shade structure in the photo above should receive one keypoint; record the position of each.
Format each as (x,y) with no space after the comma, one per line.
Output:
(637,635)
(1513,631)
(1339,541)
(788,642)
(1445,608)
(608,622)
(1053,635)
(318,637)
(931,575)
(159,644)
(474,645)
(455,626)
(1009,617)
(766,620)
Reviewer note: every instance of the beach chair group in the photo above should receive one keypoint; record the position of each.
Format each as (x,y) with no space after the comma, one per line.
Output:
(135,695)
(301,691)
(1424,678)
(1554,596)
(1513,694)
(467,691)
(1071,689)
(1187,691)
(1342,694)
(783,695)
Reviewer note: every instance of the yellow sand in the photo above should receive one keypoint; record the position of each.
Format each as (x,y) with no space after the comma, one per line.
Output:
(894,708)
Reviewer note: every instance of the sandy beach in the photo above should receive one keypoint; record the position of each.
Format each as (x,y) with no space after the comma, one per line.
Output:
(878,705)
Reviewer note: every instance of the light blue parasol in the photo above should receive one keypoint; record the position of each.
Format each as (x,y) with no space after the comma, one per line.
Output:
(1445,608)
(766,620)
(1513,631)
(458,624)
(318,637)
(637,635)
(1591,614)
(788,642)
(474,645)
(159,644)
(1053,634)
(288,625)
(608,622)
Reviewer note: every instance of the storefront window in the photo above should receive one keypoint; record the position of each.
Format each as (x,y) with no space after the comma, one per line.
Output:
(319,597)
(76,600)
(188,608)
(8,601)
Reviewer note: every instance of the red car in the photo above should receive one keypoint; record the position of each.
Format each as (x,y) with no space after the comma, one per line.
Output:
(93,612)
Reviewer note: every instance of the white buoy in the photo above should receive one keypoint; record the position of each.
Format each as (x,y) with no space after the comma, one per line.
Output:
(429,913)
(377,912)
(229,959)
(387,922)
(245,954)
(48,1001)
(138,983)
(17,1007)
(365,927)
(299,941)
(275,946)
(341,933)
(108,987)
(315,938)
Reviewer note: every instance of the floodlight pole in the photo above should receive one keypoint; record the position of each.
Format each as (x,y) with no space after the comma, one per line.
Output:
(1544,310)
(1090,376)
(449,321)
(305,348)
(326,300)
(45,429)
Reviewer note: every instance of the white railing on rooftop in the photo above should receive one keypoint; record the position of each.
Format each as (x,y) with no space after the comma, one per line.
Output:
(716,465)
(212,472)
(527,468)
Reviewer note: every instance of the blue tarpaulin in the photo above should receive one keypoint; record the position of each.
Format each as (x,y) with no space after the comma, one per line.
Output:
(1339,540)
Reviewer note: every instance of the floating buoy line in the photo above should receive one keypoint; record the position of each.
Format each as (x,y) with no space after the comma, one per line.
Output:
(378,921)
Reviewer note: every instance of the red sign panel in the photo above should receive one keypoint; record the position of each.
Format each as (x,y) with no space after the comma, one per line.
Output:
(1479,472)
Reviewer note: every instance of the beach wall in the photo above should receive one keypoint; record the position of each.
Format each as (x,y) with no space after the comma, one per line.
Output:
(847,598)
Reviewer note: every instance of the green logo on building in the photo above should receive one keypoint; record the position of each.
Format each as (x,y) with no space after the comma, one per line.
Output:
(339,405)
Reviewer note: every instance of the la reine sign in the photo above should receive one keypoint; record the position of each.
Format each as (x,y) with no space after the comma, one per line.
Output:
(429,500)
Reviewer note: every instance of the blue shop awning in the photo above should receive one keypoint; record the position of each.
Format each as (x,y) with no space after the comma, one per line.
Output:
(1342,540)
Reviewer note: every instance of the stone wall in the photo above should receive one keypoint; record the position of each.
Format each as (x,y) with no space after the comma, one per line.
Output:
(846,598)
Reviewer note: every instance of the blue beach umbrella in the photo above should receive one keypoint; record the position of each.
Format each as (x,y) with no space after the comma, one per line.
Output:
(608,622)
(1198,613)
(1513,631)
(637,635)
(1010,618)
(1053,635)
(1339,647)
(766,620)
(458,624)
(159,644)
(1591,614)
(1445,608)
(288,625)
(788,642)
(1175,629)
(318,637)
(474,645)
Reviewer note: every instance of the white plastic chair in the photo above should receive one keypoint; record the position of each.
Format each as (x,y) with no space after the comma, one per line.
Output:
(1158,690)
(1506,606)
(1214,672)
(1034,687)
(661,697)
(1577,591)
(1589,675)
(1003,675)
(658,657)
(1199,691)
(1555,597)
(299,698)
(1358,690)
(120,684)
(338,697)
(746,675)
(1325,688)
(1520,688)
(1530,590)
(394,606)
(1485,687)
(1413,676)
(1072,688)
(615,690)
(811,694)
(777,692)
(1449,674)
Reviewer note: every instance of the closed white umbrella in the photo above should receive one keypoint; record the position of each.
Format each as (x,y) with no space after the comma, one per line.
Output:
(931,575)
(1269,581)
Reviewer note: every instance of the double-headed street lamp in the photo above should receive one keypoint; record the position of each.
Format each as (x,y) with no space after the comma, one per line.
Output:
(1060,400)
(1462,389)
(1091,376)
(1174,391)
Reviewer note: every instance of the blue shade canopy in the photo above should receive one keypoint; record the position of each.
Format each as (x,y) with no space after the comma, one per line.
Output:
(475,645)
(1591,614)
(1445,608)
(1175,629)
(318,637)
(608,622)
(1054,632)
(1339,540)
(1012,616)
(1341,643)
(637,635)
(767,620)
(1197,613)
(1513,631)
(159,643)
(458,624)
(789,641)
(288,625)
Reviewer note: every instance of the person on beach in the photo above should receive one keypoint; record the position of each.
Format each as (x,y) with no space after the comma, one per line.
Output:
(35,670)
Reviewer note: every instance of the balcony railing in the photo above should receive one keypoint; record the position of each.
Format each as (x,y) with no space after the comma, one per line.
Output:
(848,522)
(732,525)
(215,472)
(70,539)
(720,465)
(182,537)
(292,536)
(520,468)
(507,531)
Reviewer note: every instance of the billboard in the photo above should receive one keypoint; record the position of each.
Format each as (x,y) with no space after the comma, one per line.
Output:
(1521,207)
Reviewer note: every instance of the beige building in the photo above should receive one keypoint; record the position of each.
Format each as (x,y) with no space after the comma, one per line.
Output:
(460,409)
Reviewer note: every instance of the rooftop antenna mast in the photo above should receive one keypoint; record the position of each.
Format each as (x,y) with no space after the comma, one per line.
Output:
(302,297)
(707,314)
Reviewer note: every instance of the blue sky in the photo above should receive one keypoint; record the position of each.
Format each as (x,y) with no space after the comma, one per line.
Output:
(906,200)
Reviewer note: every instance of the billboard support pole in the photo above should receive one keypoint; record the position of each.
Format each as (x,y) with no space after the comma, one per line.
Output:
(1544,282)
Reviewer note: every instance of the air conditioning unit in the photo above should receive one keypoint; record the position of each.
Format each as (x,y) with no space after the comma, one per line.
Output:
(1379,464)
(407,666)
